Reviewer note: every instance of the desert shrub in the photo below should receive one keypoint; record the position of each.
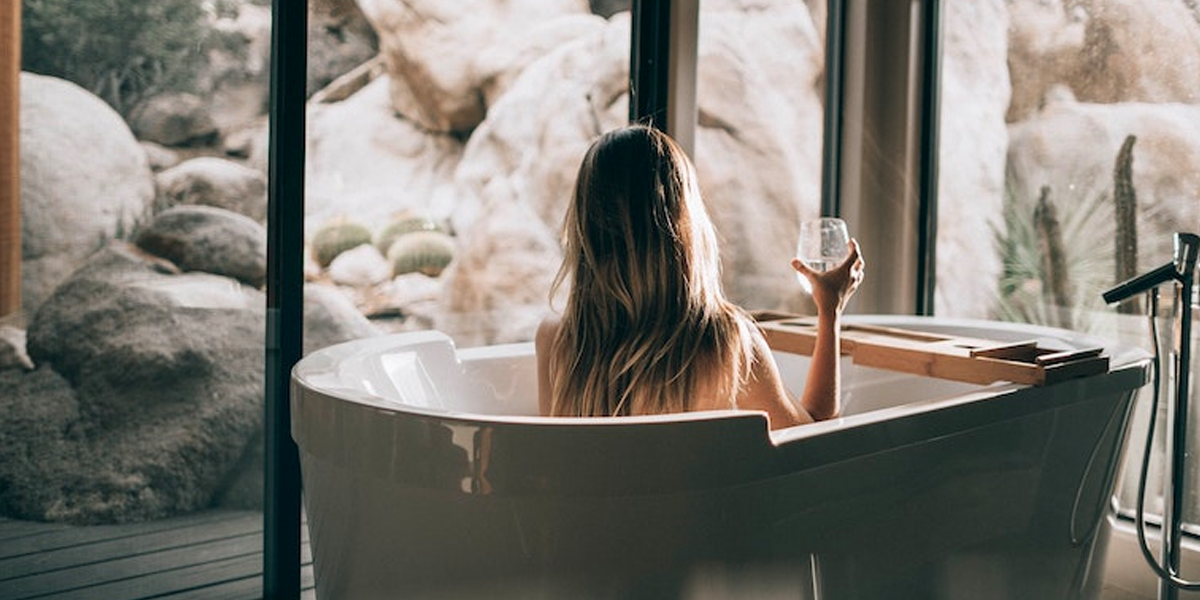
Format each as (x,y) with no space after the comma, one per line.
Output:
(1026,286)
(1096,246)
(124,51)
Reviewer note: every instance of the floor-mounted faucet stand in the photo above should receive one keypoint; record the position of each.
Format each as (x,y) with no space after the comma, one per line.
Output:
(1181,270)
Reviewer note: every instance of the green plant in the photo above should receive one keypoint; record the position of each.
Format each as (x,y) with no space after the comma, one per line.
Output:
(121,50)
(427,252)
(1053,271)
(336,237)
(403,224)
(1030,277)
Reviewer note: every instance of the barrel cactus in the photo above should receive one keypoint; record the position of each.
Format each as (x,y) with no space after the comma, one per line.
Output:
(427,252)
(403,224)
(336,237)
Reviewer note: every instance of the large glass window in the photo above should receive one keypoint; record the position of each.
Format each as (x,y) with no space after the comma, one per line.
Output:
(133,378)
(143,262)
(438,176)
(760,93)
(456,165)
(1069,158)
(442,144)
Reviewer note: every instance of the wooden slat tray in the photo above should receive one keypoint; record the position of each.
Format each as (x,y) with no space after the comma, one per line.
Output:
(970,360)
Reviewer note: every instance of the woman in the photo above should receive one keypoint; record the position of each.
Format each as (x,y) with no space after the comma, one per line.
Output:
(647,328)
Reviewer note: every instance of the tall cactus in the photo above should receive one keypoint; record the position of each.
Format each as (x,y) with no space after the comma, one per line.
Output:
(1125,212)
(1056,281)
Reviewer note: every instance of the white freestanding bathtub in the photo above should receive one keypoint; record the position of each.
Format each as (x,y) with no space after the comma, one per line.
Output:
(427,475)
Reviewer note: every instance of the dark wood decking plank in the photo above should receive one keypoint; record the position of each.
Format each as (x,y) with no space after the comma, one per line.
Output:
(57,536)
(249,588)
(203,557)
(196,572)
(157,585)
(12,528)
(195,557)
(128,546)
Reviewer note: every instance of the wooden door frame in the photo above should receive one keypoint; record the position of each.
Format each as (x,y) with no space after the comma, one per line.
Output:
(10,161)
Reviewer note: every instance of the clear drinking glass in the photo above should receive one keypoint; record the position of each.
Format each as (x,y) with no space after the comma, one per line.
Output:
(824,244)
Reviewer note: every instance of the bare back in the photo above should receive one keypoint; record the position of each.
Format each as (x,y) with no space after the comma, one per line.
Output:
(764,389)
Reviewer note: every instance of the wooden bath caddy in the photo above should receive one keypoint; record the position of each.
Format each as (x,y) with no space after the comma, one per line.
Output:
(971,360)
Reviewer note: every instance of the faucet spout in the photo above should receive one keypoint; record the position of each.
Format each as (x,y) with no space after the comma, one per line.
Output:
(1187,245)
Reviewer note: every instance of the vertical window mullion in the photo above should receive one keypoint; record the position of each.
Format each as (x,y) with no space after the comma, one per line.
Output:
(648,54)
(880,156)
(285,296)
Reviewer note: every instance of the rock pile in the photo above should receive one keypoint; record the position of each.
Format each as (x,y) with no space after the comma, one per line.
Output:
(144,394)
(136,389)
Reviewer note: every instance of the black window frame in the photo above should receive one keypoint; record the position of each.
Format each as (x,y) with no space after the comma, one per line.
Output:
(649,78)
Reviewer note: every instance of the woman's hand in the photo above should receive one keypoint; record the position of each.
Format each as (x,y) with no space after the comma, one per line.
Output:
(833,288)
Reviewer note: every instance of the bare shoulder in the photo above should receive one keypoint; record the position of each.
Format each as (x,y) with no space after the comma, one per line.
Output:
(765,390)
(546,331)
(542,342)
(758,339)
(760,351)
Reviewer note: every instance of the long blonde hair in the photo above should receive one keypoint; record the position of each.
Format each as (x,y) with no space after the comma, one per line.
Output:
(646,325)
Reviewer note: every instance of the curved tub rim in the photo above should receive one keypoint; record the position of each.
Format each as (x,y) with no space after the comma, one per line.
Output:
(1128,360)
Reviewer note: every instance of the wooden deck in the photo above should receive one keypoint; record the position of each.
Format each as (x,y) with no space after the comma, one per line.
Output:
(213,555)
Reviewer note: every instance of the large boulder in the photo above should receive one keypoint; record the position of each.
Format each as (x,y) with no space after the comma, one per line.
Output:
(84,181)
(329,318)
(759,142)
(114,326)
(1045,40)
(212,181)
(408,168)
(340,39)
(1103,51)
(509,208)
(203,238)
(175,119)
(502,60)
(975,96)
(158,378)
(237,73)
(1139,51)
(586,81)
(497,289)
(146,400)
(433,50)
(757,155)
